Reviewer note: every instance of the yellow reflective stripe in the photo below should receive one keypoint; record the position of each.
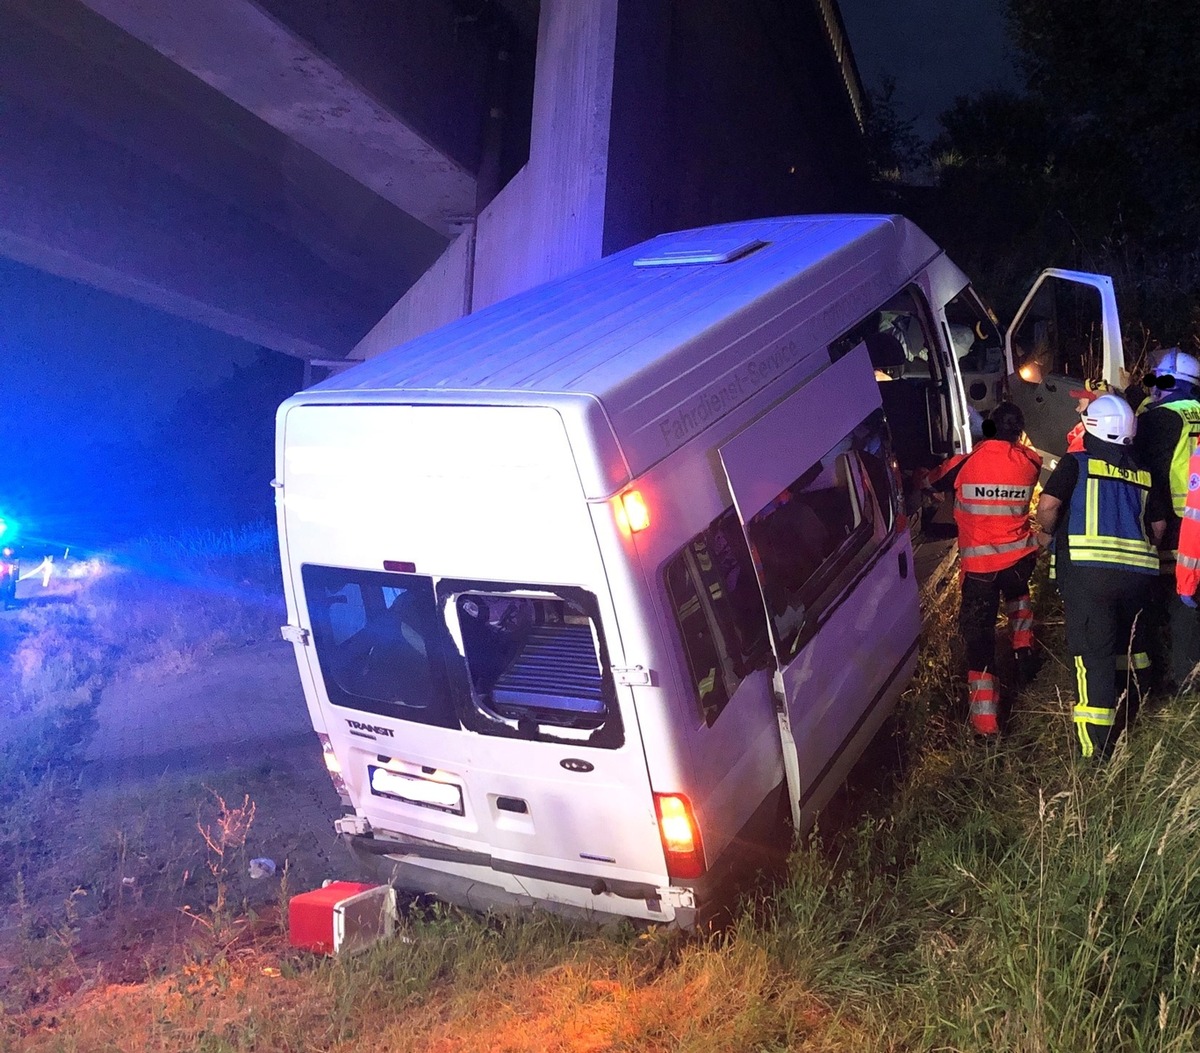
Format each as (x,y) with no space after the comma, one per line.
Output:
(1107,554)
(1141,660)
(1121,559)
(1104,718)
(1091,514)
(1098,469)
(1125,544)
(1085,740)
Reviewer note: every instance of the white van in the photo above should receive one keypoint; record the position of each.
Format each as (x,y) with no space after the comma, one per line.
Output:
(594,591)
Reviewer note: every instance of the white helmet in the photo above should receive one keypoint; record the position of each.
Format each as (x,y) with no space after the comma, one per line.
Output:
(1110,418)
(1180,365)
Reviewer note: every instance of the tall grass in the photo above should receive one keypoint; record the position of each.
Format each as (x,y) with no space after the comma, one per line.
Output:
(1012,897)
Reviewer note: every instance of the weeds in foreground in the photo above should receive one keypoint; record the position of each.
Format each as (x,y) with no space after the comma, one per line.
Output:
(224,838)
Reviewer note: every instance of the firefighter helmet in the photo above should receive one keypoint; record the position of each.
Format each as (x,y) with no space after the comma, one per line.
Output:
(1110,418)
(1180,365)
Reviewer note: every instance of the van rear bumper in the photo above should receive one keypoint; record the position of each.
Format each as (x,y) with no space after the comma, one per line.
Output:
(392,859)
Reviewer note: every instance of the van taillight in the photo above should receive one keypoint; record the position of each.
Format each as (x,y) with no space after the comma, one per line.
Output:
(680,835)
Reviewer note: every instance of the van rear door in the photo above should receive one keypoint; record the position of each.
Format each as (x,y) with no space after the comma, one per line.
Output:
(444,563)
(1066,334)
(814,486)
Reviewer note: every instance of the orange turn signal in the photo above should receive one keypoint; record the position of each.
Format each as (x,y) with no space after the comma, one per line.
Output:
(636,512)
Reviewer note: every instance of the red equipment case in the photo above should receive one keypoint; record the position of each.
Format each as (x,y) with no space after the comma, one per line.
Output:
(311,915)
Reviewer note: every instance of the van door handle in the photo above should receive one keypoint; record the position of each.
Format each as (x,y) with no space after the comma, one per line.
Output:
(903,561)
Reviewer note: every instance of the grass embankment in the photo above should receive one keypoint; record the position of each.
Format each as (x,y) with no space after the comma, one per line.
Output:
(1000,898)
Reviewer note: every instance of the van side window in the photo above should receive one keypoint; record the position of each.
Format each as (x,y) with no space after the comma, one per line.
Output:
(898,338)
(719,611)
(815,536)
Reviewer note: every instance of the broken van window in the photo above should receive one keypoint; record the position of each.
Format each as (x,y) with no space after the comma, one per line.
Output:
(535,663)
(379,643)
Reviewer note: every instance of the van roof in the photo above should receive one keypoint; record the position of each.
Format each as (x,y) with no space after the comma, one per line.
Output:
(657,337)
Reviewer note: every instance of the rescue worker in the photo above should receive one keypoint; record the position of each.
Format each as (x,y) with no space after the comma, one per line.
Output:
(1167,432)
(1101,509)
(1187,563)
(993,486)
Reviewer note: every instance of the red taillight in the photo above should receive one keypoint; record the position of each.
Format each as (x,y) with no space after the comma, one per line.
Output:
(680,835)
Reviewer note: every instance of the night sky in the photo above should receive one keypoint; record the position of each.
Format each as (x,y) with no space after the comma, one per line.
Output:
(936,50)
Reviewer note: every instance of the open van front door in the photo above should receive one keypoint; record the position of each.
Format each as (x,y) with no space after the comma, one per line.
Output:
(1066,334)
(814,488)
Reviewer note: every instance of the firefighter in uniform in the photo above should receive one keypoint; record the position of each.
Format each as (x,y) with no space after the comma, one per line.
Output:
(1168,427)
(993,485)
(1100,507)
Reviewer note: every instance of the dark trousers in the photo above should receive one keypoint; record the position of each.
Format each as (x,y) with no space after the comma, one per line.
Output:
(1105,613)
(981,595)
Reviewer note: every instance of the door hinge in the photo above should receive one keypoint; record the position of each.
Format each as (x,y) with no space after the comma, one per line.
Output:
(276,484)
(632,676)
(294,634)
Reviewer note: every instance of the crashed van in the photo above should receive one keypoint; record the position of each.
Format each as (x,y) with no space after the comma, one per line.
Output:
(597,594)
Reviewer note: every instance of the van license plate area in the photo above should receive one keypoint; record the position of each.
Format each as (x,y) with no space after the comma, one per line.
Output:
(411,789)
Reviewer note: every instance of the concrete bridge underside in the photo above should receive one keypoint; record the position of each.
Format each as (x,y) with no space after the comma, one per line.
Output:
(329,177)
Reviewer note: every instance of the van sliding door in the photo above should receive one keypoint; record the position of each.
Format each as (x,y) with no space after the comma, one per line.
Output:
(815,492)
